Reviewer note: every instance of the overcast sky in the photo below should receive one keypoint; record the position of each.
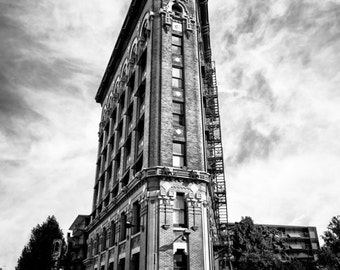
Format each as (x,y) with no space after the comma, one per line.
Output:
(278,73)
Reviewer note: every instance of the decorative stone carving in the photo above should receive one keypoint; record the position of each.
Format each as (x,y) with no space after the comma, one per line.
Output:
(171,193)
(168,171)
(205,203)
(198,196)
(194,174)
(162,191)
(194,228)
(165,226)
(167,15)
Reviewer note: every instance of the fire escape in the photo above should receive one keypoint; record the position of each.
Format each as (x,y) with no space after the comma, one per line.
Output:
(214,147)
(215,165)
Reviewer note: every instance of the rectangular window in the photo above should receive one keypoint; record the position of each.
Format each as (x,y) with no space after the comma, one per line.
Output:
(128,160)
(176,45)
(129,119)
(177,77)
(120,136)
(118,172)
(141,104)
(178,159)
(140,137)
(178,83)
(122,227)
(113,234)
(176,49)
(134,265)
(179,211)
(136,218)
(139,164)
(177,40)
(177,73)
(108,178)
(121,264)
(178,113)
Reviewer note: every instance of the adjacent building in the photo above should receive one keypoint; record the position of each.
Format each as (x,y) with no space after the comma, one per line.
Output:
(302,241)
(159,191)
(77,244)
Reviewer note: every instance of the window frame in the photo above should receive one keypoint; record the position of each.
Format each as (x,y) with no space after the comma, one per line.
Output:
(177,44)
(136,218)
(178,114)
(179,154)
(180,213)
(122,231)
(113,234)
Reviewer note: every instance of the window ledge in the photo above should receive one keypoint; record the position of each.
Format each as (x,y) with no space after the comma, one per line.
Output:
(179,229)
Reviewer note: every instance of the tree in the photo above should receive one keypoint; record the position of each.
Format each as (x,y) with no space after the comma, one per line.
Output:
(37,254)
(329,255)
(259,247)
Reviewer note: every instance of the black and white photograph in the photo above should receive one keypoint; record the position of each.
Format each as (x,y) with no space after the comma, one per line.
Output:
(169,134)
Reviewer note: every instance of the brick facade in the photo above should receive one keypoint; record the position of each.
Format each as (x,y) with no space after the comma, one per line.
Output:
(152,167)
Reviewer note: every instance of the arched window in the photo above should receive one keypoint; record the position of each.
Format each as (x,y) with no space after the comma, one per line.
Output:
(104,112)
(133,55)
(180,260)
(177,10)
(124,74)
(145,31)
(116,88)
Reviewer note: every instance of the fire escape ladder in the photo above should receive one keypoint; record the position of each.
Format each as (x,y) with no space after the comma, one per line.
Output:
(214,146)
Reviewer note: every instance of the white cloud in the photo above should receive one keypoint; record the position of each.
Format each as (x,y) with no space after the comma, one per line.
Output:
(285,129)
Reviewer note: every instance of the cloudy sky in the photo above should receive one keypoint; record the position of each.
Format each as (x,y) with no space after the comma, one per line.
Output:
(278,72)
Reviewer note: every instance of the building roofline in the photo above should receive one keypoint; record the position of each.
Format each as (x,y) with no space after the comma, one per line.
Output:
(129,24)
(78,219)
(277,225)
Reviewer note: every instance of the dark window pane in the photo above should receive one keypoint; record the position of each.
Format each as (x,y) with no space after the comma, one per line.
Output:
(178,120)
